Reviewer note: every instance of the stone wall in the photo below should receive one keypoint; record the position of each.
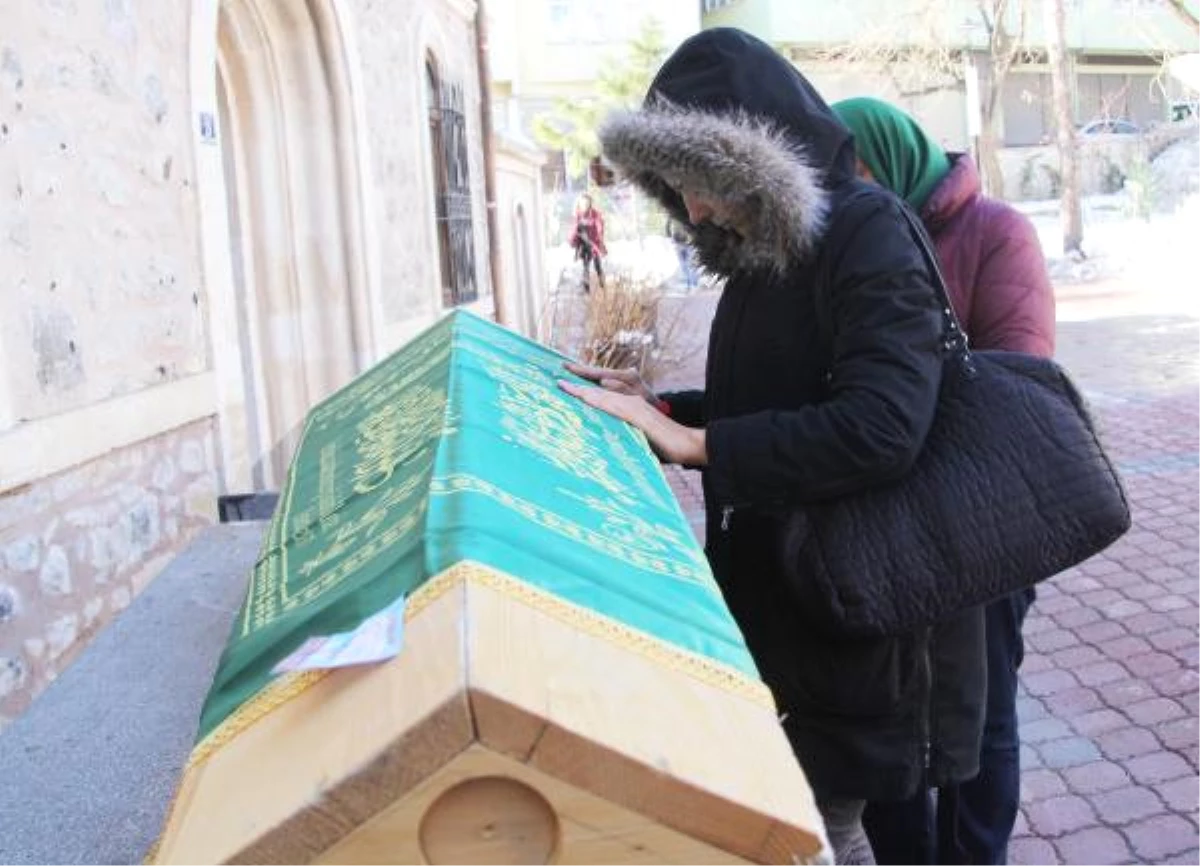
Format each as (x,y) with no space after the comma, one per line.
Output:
(78,546)
(392,51)
(98,249)
(519,226)
(106,401)
(112,393)
(1105,162)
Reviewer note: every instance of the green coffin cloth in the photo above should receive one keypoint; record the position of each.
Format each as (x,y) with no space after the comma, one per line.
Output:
(460,447)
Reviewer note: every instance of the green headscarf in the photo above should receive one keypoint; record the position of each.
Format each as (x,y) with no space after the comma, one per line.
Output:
(893,146)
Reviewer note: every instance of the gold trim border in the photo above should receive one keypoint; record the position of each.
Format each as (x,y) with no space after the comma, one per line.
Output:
(670,656)
(665,654)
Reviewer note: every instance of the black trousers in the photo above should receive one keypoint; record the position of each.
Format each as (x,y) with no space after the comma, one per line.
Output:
(970,822)
(590,259)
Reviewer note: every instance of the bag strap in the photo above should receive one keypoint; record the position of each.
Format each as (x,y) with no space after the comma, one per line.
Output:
(954,338)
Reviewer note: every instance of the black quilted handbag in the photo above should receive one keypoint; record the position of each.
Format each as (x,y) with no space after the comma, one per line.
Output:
(1011,486)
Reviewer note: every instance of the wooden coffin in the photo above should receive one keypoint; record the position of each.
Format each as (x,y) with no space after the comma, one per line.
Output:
(570,687)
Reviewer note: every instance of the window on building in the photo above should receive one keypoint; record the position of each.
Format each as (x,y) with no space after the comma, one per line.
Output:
(559,13)
(584,22)
(452,188)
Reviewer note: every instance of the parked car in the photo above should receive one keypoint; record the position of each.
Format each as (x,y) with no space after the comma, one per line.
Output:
(1185,111)
(1110,126)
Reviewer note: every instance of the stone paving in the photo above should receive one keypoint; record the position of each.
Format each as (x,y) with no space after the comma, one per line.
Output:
(1108,702)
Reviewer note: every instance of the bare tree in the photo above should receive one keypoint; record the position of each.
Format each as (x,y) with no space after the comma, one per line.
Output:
(620,83)
(1002,52)
(1186,15)
(921,48)
(1056,48)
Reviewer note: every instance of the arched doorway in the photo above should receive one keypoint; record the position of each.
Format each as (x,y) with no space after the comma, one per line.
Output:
(291,321)
(527,317)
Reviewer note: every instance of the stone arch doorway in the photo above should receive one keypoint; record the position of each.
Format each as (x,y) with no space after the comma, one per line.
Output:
(525,279)
(282,225)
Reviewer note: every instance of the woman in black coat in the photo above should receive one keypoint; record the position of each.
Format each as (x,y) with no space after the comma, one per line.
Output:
(824,363)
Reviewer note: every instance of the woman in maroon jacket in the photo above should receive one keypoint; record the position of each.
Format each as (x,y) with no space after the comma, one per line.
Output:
(999,288)
(587,238)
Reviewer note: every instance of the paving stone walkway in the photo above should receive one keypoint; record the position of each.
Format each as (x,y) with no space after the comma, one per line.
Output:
(1108,701)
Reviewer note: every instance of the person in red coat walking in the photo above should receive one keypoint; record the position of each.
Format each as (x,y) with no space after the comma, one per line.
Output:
(587,238)
(1000,290)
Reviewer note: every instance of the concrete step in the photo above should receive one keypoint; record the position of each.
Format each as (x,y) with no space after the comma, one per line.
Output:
(90,768)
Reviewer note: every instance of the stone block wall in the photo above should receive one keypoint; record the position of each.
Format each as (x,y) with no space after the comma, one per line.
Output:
(103,333)
(77,547)
(1105,162)
(109,314)
(102,292)
(391,53)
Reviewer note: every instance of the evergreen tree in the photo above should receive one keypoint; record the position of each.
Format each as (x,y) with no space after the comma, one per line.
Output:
(621,83)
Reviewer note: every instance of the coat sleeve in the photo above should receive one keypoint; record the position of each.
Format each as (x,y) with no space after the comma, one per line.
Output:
(1013,301)
(883,382)
(687,407)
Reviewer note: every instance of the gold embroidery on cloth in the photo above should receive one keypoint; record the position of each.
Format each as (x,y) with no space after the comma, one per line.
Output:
(622,535)
(666,655)
(663,654)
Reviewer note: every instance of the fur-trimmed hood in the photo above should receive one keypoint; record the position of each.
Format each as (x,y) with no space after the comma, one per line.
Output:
(729,118)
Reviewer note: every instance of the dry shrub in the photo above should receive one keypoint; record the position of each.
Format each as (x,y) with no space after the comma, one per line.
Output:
(619,323)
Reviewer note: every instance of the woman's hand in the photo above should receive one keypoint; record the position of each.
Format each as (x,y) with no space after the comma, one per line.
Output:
(627,381)
(623,395)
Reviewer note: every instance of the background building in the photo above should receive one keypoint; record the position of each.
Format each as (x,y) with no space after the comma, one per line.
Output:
(216,213)
(939,65)
(1116,46)
(545,50)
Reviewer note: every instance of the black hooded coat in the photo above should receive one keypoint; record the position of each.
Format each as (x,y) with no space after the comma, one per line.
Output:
(824,364)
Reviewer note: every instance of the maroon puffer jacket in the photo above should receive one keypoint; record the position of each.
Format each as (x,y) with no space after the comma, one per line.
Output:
(993,263)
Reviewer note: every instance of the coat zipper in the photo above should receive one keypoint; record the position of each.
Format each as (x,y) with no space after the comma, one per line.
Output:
(927,716)
(739,312)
